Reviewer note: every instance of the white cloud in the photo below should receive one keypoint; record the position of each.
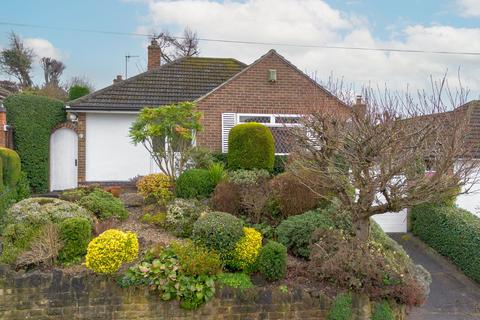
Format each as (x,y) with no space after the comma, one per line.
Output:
(469,8)
(42,48)
(315,22)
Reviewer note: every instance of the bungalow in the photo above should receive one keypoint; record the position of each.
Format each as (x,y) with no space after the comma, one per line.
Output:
(94,145)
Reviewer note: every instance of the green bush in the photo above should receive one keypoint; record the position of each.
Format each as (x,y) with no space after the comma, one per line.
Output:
(10,167)
(33,118)
(272,261)
(104,205)
(197,260)
(218,231)
(25,219)
(296,232)
(235,280)
(194,183)
(451,231)
(77,91)
(75,234)
(341,308)
(182,214)
(279,164)
(383,311)
(217,173)
(251,146)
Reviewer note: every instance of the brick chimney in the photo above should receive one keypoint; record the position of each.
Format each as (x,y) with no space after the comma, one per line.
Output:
(154,53)
(118,79)
(359,108)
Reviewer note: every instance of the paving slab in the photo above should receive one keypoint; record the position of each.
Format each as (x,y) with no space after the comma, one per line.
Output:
(453,296)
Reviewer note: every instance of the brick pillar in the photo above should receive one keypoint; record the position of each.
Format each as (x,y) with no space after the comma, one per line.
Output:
(154,53)
(3,126)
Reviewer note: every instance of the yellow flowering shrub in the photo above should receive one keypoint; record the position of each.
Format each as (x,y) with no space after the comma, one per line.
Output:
(247,249)
(107,252)
(157,187)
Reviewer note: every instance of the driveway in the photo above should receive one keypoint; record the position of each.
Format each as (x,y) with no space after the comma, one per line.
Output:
(453,296)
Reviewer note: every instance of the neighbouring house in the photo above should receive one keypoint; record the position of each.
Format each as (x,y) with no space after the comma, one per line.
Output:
(6,138)
(94,145)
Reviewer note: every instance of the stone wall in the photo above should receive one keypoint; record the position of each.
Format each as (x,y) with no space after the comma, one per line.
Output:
(56,295)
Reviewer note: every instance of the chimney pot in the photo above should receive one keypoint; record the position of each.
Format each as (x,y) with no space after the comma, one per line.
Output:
(154,53)
(118,79)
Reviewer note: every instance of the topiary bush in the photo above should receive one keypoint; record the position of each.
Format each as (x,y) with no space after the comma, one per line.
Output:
(295,233)
(107,252)
(33,118)
(218,231)
(157,187)
(251,146)
(194,183)
(182,214)
(75,233)
(246,250)
(77,91)
(341,308)
(272,261)
(104,205)
(452,232)
(11,167)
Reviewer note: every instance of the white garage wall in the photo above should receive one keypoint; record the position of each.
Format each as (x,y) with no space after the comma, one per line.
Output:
(110,154)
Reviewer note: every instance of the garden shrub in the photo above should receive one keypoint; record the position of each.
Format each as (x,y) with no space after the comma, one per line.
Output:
(279,164)
(77,91)
(248,177)
(218,231)
(202,158)
(293,197)
(227,198)
(197,260)
(157,219)
(104,205)
(22,189)
(246,250)
(341,308)
(383,311)
(107,252)
(236,280)
(364,267)
(272,261)
(194,183)
(163,272)
(10,166)
(25,219)
(217,173)
(157,187)
(74,195)
(182,214)
(34,117)
(45,248)
(75,233)
(452,232)
(251,146)
(295,232)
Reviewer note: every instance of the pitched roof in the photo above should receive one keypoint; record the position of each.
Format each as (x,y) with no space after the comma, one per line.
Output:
(185,79)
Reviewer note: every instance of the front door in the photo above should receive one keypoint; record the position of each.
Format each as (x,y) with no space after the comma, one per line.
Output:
(63,159)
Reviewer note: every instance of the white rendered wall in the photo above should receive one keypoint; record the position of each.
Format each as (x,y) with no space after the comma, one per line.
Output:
(110,154)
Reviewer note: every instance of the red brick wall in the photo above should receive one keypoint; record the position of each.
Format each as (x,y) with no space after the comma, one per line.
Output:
(251,92)
(3,134)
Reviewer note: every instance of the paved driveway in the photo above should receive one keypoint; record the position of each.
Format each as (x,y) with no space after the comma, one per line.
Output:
(453,296)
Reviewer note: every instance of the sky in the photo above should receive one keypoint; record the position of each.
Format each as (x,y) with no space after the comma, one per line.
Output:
(432,25)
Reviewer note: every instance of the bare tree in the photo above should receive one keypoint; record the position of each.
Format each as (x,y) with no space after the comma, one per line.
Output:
(174,48)
(52,70)
(16,60)
(381,150)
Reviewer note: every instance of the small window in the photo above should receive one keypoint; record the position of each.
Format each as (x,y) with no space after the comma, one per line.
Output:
(259,119)
(287,120)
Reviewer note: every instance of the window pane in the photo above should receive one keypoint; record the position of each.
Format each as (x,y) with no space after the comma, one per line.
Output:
(287,120)
(259,119)
(283,139)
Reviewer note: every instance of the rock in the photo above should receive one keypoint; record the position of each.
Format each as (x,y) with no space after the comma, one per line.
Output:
(132,200)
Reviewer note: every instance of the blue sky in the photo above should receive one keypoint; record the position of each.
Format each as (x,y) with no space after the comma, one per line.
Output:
(422,24)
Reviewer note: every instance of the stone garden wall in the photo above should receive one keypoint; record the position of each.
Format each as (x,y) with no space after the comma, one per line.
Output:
(56,295)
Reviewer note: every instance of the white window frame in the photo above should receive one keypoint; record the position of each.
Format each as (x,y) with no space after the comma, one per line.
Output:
(272,122)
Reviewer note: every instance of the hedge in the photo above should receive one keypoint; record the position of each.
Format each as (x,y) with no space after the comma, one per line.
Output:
(77,91)
(33,118)
(251,146)
(452,232)
(10,166)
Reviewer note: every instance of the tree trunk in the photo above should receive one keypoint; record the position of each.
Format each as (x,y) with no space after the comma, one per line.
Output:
(361,306)
(362,229)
